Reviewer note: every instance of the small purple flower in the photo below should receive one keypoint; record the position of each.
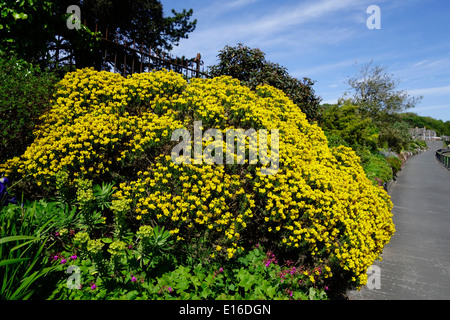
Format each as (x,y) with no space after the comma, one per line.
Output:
(74,257)
(133,279)
(63,261)
(170,289)
(94,286)
(221,270)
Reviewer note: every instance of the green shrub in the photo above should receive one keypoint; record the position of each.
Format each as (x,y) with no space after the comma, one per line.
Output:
(395,163)
(254,275)
(25,93)
(376,166)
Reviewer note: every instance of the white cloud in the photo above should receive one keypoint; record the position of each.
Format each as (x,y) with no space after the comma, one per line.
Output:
(443,90)
(300,28)
(326,68)
(431,108)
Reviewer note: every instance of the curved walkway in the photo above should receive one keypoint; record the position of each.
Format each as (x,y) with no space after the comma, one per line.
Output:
(416,262)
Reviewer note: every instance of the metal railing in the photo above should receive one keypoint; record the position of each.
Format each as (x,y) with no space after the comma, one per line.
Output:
(443,156)
(128,57)
(119,54)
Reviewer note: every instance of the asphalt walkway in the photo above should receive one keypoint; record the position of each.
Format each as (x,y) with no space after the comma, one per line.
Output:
(416,262)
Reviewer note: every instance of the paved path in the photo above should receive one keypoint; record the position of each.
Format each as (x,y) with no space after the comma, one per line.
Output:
(416,262)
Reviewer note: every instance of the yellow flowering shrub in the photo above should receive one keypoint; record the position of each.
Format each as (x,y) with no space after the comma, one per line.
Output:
(318,205)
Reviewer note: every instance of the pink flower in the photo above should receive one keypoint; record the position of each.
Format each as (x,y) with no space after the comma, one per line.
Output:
(133,279)
(73,257)
(63,261)
(94,286)
(170,289)
(221,270)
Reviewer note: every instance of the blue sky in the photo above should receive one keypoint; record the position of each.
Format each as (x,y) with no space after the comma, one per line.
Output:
(328,41)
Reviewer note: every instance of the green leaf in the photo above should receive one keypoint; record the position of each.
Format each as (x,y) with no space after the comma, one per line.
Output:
(182,285)
(11,261)
(21,15)
(270,291)
(17,238)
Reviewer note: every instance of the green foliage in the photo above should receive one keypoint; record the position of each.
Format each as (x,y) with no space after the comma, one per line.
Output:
(376,166)
(375,93)
(395,163)
(343,125)
(413,120)
(25,94)
(418,144)
(23,244)
(395,136)
(141,20)
(26,27)
(36,29)
(252,276)
(252,69)
(35,261)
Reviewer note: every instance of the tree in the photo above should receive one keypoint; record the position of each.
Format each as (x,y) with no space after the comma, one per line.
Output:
(395,136)
(37,28)
(26,28)
(252,69)
(377,95)
(344,125)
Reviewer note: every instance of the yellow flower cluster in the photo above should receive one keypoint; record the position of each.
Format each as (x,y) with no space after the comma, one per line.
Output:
(191,200)
(319,203)
(99,121)
(117,248)
(320,200)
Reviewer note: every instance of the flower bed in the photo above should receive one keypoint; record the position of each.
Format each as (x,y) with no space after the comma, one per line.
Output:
(318,211)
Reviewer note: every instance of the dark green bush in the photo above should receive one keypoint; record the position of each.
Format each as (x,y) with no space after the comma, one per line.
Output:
(24,95)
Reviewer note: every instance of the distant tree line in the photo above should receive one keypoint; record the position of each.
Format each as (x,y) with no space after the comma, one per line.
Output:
(413,120)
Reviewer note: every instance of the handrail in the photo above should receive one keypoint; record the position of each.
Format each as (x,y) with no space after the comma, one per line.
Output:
(443,156)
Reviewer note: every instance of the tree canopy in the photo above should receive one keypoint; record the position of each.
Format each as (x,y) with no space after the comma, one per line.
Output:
(344,125)
(36,29)
(377,95)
